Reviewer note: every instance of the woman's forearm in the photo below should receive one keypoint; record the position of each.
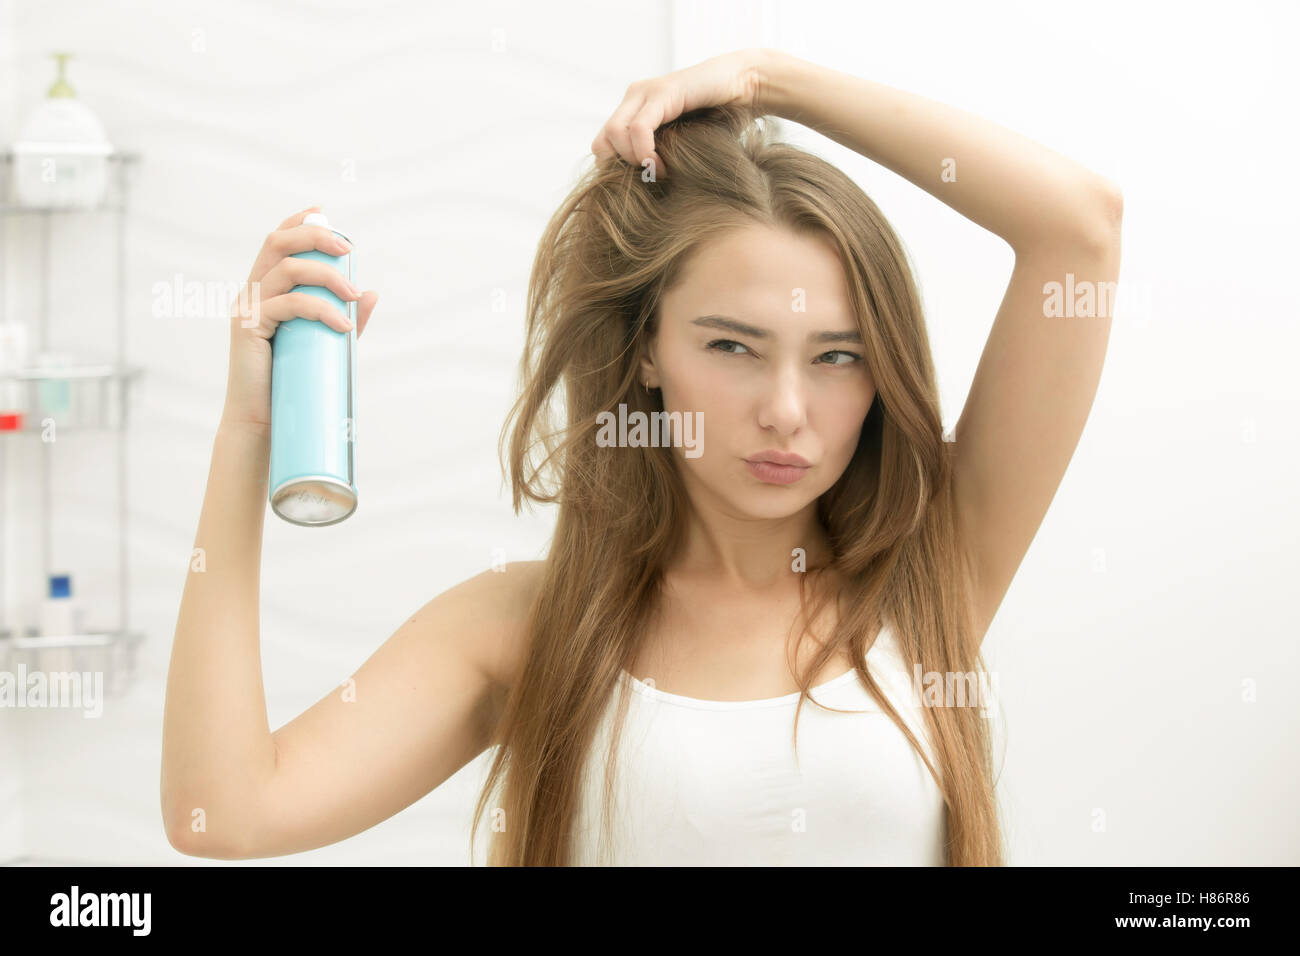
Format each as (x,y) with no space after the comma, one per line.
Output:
(1010,185)
(217,745)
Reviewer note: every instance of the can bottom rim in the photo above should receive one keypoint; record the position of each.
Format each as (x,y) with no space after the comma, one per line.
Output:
(314,500)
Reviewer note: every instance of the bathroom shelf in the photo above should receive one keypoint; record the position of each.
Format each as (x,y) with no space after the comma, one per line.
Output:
(111,653)
(90,393)
(73,371)
(94,398)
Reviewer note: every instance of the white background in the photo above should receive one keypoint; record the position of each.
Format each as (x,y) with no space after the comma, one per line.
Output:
(1158,588)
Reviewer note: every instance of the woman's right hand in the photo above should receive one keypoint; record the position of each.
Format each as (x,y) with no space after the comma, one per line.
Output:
(266,301)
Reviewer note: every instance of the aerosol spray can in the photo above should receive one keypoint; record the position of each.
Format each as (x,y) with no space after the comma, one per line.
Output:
(313,406)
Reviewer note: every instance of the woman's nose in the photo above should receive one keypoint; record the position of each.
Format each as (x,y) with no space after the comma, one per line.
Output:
(783,406)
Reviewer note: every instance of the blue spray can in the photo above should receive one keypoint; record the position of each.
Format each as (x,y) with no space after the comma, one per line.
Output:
(313,406)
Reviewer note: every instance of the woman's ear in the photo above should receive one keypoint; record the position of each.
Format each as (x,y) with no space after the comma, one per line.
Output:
(646,372)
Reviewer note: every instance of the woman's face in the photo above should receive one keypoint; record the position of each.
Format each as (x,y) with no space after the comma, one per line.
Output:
(759,337)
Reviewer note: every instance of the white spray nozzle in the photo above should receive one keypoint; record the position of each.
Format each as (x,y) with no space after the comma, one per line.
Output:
(315,219)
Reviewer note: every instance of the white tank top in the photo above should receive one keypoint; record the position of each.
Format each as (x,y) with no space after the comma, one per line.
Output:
(707,782)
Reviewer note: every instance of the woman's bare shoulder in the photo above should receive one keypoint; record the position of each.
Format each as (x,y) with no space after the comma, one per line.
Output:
(502,601)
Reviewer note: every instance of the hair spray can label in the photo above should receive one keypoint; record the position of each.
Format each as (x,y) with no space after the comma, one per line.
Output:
(313,407)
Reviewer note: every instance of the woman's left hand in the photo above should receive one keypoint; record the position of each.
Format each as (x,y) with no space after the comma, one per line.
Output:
(648,104)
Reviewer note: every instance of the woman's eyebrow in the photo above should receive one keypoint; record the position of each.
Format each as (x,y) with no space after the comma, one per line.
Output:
(728,324)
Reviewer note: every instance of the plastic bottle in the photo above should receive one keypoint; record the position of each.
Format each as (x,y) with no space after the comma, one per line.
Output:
(61,614)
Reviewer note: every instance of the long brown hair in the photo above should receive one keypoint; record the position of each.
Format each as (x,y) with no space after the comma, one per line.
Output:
(610,252)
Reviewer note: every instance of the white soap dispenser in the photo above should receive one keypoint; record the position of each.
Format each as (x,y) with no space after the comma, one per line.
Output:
(61,156)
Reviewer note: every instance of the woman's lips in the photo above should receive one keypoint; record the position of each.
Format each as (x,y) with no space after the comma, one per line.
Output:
(775,474)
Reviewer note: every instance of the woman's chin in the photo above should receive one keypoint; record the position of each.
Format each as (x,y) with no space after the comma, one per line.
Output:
(767,502)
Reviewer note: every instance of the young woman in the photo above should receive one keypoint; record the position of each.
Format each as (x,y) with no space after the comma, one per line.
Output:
(814,537)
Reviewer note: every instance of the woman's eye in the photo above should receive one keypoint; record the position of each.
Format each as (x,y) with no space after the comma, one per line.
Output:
(720,345)
(719,342)
(852,357)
